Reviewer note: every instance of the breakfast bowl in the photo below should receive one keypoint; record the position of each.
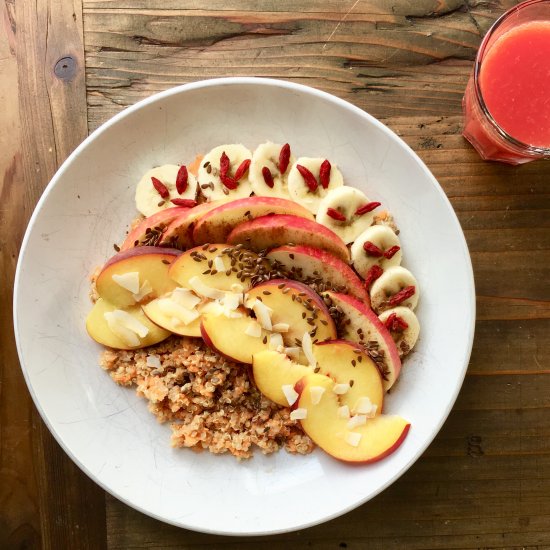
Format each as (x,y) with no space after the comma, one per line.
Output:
(106,429)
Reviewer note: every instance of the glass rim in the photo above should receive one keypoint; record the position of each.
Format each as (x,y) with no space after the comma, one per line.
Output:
(531,149)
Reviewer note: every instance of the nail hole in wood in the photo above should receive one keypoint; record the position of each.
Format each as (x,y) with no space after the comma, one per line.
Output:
(65,68)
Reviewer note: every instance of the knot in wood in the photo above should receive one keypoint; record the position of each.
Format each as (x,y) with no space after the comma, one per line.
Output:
(65,68)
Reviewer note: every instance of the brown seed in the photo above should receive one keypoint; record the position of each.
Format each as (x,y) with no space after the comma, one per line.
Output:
(324,322)
(161,203)
(353,362)
(316,369)
(166,262)
(265,340)
(213,249)
(351,382)
(291,256)
(266,293)
(117,248)
(207,272)
(214,271)
(225,191)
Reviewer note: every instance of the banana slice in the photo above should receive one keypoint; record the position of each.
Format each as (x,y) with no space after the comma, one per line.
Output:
(405,337)
(267,156)
(397,286)
(338,212)
(308,190)
(210,175)
(150,201)
(382,241)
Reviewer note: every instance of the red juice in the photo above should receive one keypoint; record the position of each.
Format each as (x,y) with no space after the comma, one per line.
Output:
(515,82)
(507,101)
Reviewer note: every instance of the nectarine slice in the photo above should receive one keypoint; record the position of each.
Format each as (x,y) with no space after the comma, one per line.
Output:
(268,232)
(151,264)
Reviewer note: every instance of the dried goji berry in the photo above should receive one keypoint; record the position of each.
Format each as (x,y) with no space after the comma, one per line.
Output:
(402,295)
(224,164)
(284,158)
(390,252)
(229,182)
(372,274)
(309,178)
(188,203)
(369,207)
(324,173)
(395,324)
(336,215)
(268,178)
(241,170)
(372,250)
(182,179)
(160,187)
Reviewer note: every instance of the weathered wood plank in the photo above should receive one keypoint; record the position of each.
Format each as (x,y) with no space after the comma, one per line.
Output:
(19,525)
(69,511)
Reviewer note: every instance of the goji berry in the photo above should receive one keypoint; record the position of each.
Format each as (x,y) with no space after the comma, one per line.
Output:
(268,178)
(182,179)
(242,169)
(372,274)
(390,252)
(402,295)
(188,203)
(369,207)
(309,178)
(324,173)
(372,250)
(336,215)
(160,187)
(284,158)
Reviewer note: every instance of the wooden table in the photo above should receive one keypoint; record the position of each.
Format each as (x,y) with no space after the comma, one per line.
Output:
(67,67)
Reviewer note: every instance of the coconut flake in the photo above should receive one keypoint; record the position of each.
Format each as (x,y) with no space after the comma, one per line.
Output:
(185,297)
(204,290)
(127,335)
(126,320)
(353,439)
(290,393)
(298,414)
(253,329)
(340,389)
(343,412)
(316,392)
(262,314)
(364,406)
(237,287)
(144,290)
(357,420)
(128,281)
(307,347)
(231,301)
(168,307)
(281,327)
(276,341)
(214,308)
(153,361)
(218,264)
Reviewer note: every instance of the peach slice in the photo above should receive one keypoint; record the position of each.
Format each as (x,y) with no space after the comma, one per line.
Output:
(228,337)
(98,328)
(268,232)
(275,375)
(369,442)
(360,324)
(219,266)
(149,266)
(296,305)
(179,234)
(347,363)
(308,264)
(150,230)
(216,225)
(170,313)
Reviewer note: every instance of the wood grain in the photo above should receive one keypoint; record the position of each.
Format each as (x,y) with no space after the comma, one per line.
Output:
(485,480)
(44,498)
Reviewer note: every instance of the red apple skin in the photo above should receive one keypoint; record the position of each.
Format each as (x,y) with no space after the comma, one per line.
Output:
(279,229)
(203,233)
(164,217)
(327,261)
(364,310)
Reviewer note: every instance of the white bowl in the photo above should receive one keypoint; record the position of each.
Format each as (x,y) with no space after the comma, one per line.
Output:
(106,429)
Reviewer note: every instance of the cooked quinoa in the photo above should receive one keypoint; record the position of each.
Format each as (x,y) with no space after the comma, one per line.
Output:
(210,402)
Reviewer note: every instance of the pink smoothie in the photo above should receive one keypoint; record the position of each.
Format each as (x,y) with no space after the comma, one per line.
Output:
(515,82)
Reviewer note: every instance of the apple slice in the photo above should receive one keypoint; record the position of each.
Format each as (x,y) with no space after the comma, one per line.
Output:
(308,264)
(374,440)
(360,324)
(123,337)
(150,230)
(177,311)
(296,305)
(275,375)
(228,337)
(144,268)
(179,234)
(215,226)
(268,232)
(218,266)
(347,363)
